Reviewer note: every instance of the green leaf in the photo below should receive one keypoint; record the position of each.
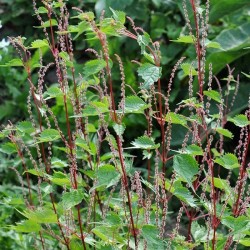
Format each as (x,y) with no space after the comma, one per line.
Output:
(107,234)
(81,28)
(224,132)
(146,154)
(215,45)
(186,167)
(232,41)
(119,16)
(93,67)
(25,127)
(145,142)
(42,10)
(35,172)
(238,225)
(49,135)
(90,128)
(150,234)
(60,179)
(72,198)
(39,44)
(149,57)
(107,175)
(245,74)
(48,23)
(188,69)
(17,62)
(215,95)
(93,148)
(80,142)
(27,226)
(65,56)
(76,244)
(228,161)
(224,7)
(184,39)
(245,242)
(113,219)
(111,27)
(199,232)
(149,73)
(222,184)
(111,139)
(134,104)
(192,102)
(101,232)
(52,92)
(240,120)
(58,163)
(119,128)
(96,108)
(193,150)
(58,4)
(174,118)
(89,16)
(148,184)
(41,215)
(183,194)
(46,188)
(8,148)
(91,111)
(143,41)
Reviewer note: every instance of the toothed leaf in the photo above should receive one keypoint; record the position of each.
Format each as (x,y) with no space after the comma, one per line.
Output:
(145,142)
(72,198)
(215,95)
(149,73)
(228,161)
(186,167)
(224,132)
(240,120)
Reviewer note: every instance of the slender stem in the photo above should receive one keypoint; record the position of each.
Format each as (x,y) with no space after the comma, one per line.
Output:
(42,240)
(74,84)
(58,222)
(74,170)
(80,225)
(242,174)
(67,124)
(47,167)
(119,142)
(51,29)
(189,237)
(198,48)
(125,182)
(214,220)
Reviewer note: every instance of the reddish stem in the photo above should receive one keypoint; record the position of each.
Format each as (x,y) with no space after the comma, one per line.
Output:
(119,142)
(189,236)
(198,48)
(242,174)
(42,240)
(55,54)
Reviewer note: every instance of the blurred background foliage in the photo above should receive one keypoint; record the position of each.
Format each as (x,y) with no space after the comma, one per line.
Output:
(162,19)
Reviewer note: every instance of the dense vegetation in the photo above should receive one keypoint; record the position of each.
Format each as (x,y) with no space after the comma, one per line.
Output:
(125,124)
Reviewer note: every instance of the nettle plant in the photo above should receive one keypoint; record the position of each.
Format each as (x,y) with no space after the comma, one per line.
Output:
(75,159)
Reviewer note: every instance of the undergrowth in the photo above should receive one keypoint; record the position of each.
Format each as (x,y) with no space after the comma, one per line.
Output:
(85,183)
